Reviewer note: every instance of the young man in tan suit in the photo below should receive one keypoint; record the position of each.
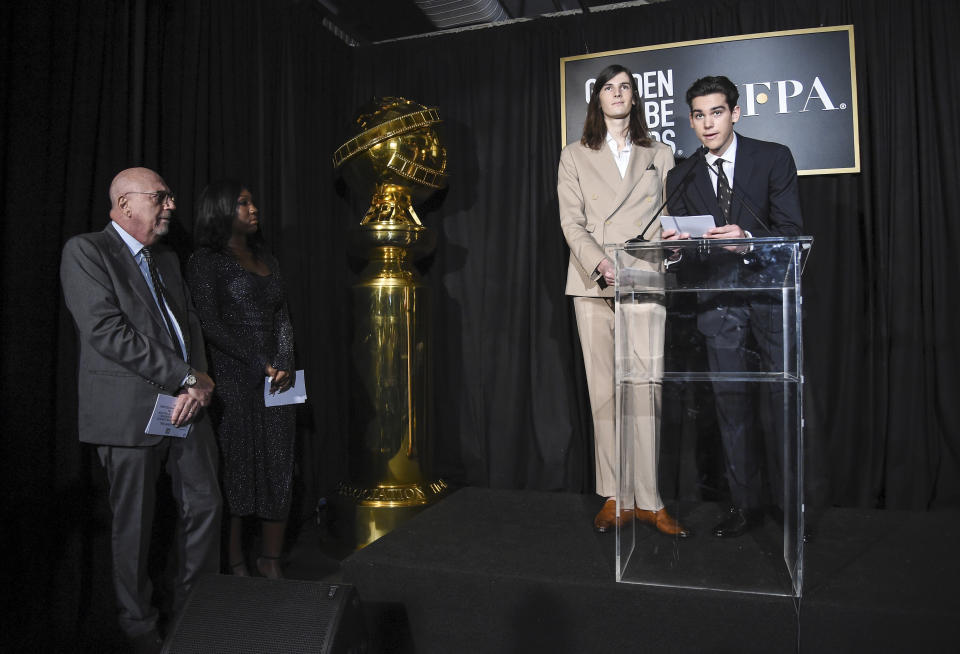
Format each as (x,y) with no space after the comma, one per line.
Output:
(610,185)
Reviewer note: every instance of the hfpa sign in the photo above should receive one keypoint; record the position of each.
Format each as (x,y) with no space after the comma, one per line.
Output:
(797,88)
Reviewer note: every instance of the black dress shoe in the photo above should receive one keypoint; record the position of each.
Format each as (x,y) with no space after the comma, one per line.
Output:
(739,522)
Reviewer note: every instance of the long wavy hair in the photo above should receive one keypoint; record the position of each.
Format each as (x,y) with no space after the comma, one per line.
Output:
(216,210)
(595,128)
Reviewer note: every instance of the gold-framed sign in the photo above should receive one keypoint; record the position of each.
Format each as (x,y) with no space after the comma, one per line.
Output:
(797,87)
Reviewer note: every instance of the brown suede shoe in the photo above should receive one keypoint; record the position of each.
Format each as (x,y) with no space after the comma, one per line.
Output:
(663,522)
(607,518)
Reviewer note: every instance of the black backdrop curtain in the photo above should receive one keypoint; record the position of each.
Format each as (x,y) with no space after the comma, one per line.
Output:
(197,91)
(511,387)
(261,91)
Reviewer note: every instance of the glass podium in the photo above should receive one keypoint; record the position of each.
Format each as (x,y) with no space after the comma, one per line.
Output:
(709,382)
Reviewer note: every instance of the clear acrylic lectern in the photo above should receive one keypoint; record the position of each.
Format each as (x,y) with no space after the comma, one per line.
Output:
(709,402)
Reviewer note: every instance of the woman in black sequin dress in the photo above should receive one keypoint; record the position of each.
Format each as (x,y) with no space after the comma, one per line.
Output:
(240,297)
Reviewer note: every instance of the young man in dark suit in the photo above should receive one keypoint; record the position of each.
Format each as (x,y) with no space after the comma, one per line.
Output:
(139,336)
(750,189)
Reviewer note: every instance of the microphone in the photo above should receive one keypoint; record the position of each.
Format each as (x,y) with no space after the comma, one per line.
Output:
(743,197)
(639,238)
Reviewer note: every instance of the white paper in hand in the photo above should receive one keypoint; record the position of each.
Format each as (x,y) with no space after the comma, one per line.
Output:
(296,394)
(693,225)
(160,424)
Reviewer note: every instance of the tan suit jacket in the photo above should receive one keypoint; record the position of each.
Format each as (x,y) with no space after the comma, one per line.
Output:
(597,207)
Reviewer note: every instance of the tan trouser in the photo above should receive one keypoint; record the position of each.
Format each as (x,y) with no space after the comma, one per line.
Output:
(644,324)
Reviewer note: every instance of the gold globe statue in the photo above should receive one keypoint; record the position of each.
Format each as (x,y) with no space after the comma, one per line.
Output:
(397,159)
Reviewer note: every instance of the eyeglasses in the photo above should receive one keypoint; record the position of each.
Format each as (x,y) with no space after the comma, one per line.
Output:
(159,197)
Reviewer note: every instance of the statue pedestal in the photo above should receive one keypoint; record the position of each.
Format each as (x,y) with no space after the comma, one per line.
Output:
(390,449)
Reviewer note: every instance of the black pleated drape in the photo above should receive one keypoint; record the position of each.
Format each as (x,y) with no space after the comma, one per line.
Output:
(198,91)
(262,91)
(509,402)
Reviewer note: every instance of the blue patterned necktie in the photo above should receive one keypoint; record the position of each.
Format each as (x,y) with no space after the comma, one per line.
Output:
(159,290)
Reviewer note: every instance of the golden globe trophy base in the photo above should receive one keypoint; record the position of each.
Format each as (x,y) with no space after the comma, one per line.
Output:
(391,446)
(373,518)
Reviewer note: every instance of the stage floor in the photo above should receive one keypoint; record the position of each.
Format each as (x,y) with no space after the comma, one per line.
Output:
(522,571)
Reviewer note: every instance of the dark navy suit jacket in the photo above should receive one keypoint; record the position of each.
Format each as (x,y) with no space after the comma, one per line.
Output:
(764,187)
(765,203)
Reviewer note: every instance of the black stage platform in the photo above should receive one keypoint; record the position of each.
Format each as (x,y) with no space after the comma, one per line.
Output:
(521,571)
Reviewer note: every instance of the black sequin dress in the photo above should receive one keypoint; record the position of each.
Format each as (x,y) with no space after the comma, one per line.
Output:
(246,326)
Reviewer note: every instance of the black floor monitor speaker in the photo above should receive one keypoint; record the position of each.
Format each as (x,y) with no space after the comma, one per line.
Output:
(249,614)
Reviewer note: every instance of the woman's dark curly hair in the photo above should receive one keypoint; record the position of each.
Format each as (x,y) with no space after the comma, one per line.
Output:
(216,210)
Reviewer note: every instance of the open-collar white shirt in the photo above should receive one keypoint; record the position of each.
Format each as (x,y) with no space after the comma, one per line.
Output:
(622,157)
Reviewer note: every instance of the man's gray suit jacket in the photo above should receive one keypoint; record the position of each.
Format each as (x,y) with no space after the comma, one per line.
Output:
(126,354)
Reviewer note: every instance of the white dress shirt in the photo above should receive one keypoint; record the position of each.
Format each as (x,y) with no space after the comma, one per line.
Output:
(729,158)
(622,157)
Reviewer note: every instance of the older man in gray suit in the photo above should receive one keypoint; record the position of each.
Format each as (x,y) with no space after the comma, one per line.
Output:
(139,337)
